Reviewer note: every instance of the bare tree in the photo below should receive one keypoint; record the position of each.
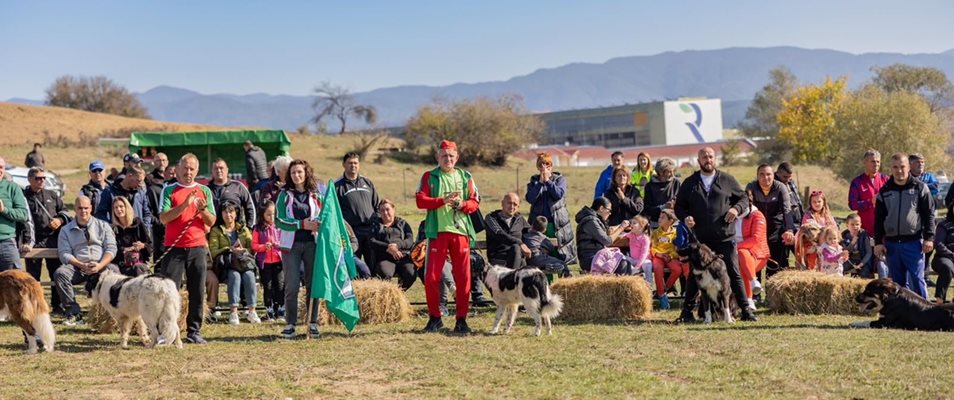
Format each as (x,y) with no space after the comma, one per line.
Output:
(337,102)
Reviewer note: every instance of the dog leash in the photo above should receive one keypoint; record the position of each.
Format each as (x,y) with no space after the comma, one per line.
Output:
(175,242)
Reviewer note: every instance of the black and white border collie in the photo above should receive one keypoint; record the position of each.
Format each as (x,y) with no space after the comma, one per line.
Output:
(510,288)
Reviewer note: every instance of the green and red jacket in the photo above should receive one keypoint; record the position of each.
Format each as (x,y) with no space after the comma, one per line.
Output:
(429,198)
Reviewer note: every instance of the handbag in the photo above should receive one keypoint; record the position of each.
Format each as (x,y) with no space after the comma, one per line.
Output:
(242,261)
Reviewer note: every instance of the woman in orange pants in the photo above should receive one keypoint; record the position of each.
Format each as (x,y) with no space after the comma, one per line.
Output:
(753,249)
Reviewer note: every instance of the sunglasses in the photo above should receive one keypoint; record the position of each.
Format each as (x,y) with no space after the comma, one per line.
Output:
(39,178)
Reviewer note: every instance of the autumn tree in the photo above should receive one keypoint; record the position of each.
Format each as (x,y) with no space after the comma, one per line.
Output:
(486,130)
(761,118)
(807,120)
(930,83)
(335,101)
(890,122)
(95,94)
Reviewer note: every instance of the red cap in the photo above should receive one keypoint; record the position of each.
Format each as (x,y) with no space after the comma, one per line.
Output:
(448,145)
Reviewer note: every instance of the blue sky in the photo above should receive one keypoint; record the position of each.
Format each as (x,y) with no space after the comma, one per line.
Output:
(287,47)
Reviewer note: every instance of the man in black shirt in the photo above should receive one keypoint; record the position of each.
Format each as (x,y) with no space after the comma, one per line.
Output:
(48,214)
(226,190)
(359,202)
(505,229)
(710,201)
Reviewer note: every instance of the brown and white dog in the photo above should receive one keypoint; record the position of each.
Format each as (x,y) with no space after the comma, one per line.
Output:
(806,242)
(900,308)
(21,299)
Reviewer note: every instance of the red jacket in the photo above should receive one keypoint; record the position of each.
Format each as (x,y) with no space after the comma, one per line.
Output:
(753,235)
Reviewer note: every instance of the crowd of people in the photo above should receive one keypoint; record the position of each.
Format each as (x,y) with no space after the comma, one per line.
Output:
(236,233)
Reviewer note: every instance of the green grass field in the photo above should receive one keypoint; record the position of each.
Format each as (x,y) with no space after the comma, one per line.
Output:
(777,357)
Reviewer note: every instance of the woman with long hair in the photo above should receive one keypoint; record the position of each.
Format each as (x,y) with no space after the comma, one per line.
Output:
(297,209)
(625,198)
(132,239)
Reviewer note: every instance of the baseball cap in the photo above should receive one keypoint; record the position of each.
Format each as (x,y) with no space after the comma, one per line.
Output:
(97,165)
(132,157)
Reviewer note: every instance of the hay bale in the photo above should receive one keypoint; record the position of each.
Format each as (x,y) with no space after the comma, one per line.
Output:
(604,298)
(379,302)
(100,321)
(807,292)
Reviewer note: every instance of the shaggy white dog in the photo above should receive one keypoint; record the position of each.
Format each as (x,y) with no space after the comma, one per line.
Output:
(152,300)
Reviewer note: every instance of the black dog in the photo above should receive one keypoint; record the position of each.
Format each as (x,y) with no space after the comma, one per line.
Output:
(901,308)
(713,279)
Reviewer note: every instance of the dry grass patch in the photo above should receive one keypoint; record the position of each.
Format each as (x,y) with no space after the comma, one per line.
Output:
(379,302)
(604,298)
(804,292)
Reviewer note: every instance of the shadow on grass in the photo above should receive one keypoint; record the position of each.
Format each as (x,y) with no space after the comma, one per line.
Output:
(754,327)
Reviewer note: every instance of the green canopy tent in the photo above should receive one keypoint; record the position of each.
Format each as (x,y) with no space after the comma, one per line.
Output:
(209,146)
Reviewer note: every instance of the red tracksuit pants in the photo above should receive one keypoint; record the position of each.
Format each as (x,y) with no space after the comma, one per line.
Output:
(458,246)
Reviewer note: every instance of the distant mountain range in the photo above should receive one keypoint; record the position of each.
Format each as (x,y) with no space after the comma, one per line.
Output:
(732,74)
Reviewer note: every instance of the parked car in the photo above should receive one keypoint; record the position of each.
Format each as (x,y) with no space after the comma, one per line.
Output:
(19,176)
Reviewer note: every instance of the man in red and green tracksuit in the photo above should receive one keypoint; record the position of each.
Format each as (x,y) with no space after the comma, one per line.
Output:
(449,196)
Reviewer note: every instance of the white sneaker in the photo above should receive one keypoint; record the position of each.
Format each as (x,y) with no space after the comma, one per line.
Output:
(233,318)
(161,340)
(756,287)
(253,318)
(751,305)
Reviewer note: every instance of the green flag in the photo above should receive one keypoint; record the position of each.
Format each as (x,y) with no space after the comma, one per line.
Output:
(334,263)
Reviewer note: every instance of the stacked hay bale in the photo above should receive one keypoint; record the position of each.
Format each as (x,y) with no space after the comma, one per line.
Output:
(604,298)
(100,320)
(379,302)
(807,292)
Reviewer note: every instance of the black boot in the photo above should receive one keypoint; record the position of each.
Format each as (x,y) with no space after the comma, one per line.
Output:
(686,317)
(434,324)
(749,315)
(461,327)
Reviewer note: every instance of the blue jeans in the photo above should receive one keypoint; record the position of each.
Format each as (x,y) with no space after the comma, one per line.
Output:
(9,255)
(238,281)
(906,260)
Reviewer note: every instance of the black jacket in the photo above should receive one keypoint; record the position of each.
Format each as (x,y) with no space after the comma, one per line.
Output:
(709,209)
(44,206)
(399,233)
(359,202)
(236,193)
(502,236)
(904,213)
(592,236)
(93,190)
(125,237)
(777,208)
(256,165)
(657,195)
(626,207)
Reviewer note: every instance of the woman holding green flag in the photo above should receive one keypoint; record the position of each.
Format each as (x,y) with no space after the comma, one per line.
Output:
(297,209)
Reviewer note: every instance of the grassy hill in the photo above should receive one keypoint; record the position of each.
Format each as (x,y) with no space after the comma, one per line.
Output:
(22,124)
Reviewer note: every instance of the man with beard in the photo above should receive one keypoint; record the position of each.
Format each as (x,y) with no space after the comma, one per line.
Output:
(710,200)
